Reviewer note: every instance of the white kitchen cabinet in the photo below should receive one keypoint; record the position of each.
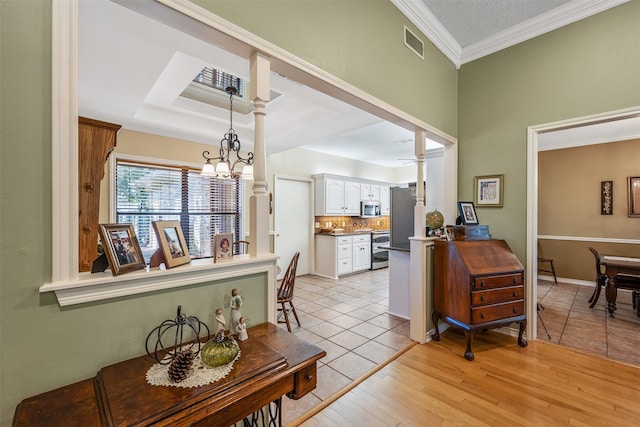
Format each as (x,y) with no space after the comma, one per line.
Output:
(343,254)
(337,197)
(361,252)
(370,192)
(385,200)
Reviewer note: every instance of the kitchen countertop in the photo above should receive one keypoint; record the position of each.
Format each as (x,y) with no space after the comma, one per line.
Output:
(353,232)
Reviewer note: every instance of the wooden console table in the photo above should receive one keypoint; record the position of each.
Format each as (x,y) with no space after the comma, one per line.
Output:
(273,363)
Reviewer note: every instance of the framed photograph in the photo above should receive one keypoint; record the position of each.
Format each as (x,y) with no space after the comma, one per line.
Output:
(489,190)
(634,196)
(606,198)
(121,247)
(172,244)
(449,233)
(468,213)
(224,246)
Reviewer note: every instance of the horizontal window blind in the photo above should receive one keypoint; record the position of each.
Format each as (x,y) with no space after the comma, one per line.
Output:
(204,206)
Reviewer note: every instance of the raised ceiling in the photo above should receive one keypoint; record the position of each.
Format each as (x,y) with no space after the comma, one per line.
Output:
(132,70)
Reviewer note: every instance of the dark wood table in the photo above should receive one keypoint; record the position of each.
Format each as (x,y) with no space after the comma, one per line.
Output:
(273,363)
(615,266)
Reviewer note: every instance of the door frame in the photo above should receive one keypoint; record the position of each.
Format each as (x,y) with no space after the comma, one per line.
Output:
(533,134)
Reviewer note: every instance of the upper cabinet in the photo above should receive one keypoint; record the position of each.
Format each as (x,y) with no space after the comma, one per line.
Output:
(385,200)
(337,195)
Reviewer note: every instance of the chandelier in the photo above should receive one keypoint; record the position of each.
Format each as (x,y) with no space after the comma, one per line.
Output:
(228,145)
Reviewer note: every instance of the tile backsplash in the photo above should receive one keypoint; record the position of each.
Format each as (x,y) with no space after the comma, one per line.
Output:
(350,223)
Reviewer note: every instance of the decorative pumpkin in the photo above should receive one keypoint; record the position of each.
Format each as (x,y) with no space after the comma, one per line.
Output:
(219,351)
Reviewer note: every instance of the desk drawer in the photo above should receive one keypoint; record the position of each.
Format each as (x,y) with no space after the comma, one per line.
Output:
(489,313)
(479,283)
(303,382)
(499,295)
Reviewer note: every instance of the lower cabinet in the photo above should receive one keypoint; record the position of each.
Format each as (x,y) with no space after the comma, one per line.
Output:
(343,254)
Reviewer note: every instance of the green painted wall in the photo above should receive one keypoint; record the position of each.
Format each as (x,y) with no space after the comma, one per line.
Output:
(361,42)
(585,68)
(45,346)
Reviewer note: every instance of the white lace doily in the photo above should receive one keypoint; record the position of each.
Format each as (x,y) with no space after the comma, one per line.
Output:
(199,374)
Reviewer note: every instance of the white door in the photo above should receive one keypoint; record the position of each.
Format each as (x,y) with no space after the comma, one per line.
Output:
(293,222)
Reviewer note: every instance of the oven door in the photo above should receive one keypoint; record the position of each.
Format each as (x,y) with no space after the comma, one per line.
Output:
(379,255)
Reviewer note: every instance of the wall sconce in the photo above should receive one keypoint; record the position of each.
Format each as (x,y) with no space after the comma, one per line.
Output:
(229,144)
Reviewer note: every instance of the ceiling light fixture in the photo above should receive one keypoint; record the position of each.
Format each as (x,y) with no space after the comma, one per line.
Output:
(230,143)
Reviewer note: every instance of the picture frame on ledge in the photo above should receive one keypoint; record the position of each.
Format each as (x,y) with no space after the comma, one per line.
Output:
(489,190)
(224,246)
(468,213)
(634,196)
(173,250)
(121,248)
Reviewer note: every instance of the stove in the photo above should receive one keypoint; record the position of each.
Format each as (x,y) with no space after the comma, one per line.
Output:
(379,255)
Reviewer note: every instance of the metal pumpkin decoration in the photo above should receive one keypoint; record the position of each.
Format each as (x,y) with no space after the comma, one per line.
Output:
(170,335)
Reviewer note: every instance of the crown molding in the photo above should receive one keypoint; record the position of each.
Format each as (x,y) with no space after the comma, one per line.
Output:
(556,18)
(552,20)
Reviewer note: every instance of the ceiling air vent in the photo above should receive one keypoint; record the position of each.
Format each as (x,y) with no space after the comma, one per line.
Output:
(413,42)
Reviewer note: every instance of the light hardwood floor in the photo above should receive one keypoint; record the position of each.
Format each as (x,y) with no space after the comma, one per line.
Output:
(506,385)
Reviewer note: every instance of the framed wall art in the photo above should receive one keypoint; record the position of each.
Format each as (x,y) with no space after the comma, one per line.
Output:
(606,198)
(634,196)
(121,247)
(467,213)
(489,190)
(172,244)
(224,246)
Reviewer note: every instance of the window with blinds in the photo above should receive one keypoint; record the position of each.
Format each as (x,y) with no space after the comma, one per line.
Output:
(203,205)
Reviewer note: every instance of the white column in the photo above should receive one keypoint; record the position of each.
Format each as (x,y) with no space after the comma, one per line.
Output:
(418,265)
(259,88)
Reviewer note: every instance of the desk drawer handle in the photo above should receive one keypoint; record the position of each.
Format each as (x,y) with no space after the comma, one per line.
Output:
(482,298)
(309,377)
(515,310)
(482,283)
(482,315)
(515,293)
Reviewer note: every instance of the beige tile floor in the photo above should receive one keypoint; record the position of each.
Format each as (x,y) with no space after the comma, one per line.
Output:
(571,323)
(348,319)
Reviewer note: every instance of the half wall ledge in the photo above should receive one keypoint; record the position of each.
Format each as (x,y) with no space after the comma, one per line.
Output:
(88,287)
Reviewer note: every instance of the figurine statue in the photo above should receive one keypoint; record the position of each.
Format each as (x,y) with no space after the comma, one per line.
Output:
(235,304)
(221,323)
(242,330)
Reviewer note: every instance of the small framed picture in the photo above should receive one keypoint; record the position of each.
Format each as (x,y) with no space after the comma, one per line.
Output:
(224,246)
(121,247)
(634,196)
(489,190)
(172,244)
(468,213)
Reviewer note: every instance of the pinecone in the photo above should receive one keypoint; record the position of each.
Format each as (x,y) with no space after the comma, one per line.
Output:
(181,365)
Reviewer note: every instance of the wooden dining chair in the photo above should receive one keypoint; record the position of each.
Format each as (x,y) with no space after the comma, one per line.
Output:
(285,293)
(242,245)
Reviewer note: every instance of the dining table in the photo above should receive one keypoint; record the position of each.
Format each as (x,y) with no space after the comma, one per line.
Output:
(616,266)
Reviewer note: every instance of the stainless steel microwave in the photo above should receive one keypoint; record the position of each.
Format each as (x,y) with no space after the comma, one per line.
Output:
(369,209)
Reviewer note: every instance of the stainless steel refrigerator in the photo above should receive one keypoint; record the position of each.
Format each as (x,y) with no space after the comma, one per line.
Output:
(403,202)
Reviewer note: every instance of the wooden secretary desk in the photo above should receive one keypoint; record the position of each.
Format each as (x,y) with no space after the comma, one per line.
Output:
(478,284)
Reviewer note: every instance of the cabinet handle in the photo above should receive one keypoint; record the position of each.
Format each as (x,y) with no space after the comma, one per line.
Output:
(482,315)
(309,377)
(482,298)
(482,283)
(515,310)
(515,293)
(514,280)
